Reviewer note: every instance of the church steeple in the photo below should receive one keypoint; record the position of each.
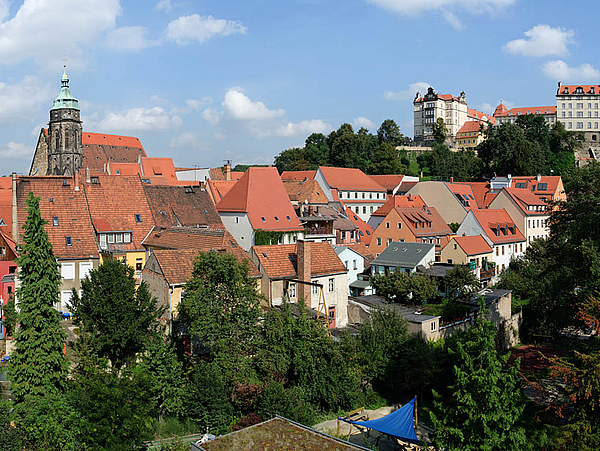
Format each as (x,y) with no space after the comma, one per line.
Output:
(64,133)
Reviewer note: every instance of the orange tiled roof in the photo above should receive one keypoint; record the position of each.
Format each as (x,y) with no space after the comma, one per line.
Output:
(570,89)
(525,198)
(177,264)
(525,110)
(365,231)
(424,221)
(298,175)
(125,169)
(362,250)
(479,191)
(101,148)
(531,183)
(491,219)
(158,167)
(465,194)
(181,206)
(114,203)
(280,261)
(480,116)
(349,179)
(219,188)
(60,200)
(399,201)
(472,245)
(389,182)
(260,193)
(470,127)
(305,190)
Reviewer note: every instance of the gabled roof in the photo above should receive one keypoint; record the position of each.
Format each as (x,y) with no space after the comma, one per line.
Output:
(340,220)
(349,179)
(423,221)
(298,175)
(479,190)
(362,250)
(260,193)
(548,183)
(479,116)
(406,255)
(365,231)
(10,243)
(470,127)
(464,193)
(399,201)
(158,167)
(389,182)
(219,188)
(124,169)
(472,245)
(60,200)
(492,219)
(181,206)
(115,203)
(525,198)
(280,261)
(300,191)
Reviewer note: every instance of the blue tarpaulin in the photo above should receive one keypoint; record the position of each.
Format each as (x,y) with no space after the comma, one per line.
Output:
(397,424)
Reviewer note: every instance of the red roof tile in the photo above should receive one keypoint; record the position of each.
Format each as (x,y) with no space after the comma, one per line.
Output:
(365,231)
(124,169)
(524,110)
(362,250)
(349,179)
(479,116)
(298,175)
(424,221)
(158,167)
(219,188)
(61,201)
(115,201)
(492,218)
(389,182)
(305,190)
(472,245)
(260,193)
(399,201)
(280,260)
(571,89)
(470,127)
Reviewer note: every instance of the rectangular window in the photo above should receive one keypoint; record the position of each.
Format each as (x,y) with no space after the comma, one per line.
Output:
(67,271)
(111,238)
(127,237)
(331,286)
(118,237)
(433,326)
(502,250)
(378,241)
(292,290)
(346,264)
(103,241)
(65,298)
(55,221)
(389,241)
(354,264)
(315,289)
(497,251)
(84,269)
(399,225)
(68,241)
(138,217)
(387,225)
(364,210)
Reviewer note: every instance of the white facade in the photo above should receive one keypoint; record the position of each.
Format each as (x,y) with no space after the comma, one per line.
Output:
(238,224)
(430,107)
(353,261)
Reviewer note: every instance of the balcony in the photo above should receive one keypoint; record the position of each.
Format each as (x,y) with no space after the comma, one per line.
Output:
(319,230)
(113,248)
(487,274)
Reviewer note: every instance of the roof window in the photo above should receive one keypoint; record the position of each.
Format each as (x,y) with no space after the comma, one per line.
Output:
(146,181)
(138,217)
(276,219)
(264,254)
(65,183)
(288,218)
(55,221)
(542,186)
(95,180)
(263,219)
(52,199)
(68,241)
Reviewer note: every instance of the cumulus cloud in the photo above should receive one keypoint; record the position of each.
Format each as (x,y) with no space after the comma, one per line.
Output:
(129,39)
(415,7)
(239,106)
(211,116)
(163,5)
(363,122)
(138,119)
(301,128)
(408,94)
(17,151)
(559,70)
(542,40)
(195,28)
(36,30)
(21,100)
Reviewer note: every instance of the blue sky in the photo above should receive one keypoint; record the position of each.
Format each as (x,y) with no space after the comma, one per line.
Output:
(204,81)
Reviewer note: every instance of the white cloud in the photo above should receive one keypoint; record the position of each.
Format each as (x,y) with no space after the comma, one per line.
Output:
(136,119)
(196,104)
(302,128)
(415,7)
(486,107)
(211,116)
(21,100)
(196,28)
(559,70)
(542,40)
(409,94)
(129,39)
(4,8)
(239,106)
(188,140)
(47,30)
(453,20)
(363,122)
(163,5)
(16,150)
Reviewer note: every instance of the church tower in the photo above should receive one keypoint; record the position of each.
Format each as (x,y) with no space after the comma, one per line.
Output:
(64,133)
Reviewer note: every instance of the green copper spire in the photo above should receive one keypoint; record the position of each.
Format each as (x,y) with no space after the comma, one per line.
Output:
(65,99)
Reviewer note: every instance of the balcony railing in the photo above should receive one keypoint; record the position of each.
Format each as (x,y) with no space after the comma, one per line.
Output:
(319,230)
(113,248)
(487,274)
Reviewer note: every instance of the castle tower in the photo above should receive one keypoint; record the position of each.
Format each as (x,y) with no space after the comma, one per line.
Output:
(64,133)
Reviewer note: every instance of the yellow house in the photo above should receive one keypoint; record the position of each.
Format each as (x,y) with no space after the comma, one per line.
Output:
(473,251)
(469,136)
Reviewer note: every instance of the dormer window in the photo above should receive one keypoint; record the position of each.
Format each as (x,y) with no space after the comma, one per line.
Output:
(579,90)
(68,241)
(55,221)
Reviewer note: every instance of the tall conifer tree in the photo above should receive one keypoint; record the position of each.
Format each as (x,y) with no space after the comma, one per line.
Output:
(38,366)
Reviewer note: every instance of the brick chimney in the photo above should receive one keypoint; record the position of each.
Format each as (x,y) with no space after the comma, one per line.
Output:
(227,171)
(303,255)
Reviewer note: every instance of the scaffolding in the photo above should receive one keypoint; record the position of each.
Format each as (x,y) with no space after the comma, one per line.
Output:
(322,311)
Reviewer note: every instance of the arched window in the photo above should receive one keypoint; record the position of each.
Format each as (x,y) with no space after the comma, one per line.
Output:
(67,140)
(56,140)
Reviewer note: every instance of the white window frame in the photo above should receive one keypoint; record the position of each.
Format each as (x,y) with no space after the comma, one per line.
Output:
(67,271)
(331,284)
(85,268)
